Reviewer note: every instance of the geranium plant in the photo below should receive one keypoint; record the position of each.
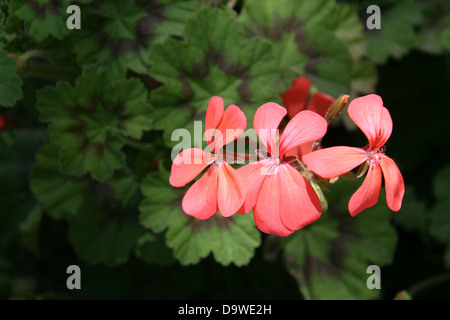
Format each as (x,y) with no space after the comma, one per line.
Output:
(182,149)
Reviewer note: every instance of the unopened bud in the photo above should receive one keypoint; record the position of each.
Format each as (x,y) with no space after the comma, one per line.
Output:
(403,295)
(336,108)
(20,62)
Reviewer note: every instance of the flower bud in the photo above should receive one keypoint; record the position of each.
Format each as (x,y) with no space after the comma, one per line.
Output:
(20,62)
(336,108)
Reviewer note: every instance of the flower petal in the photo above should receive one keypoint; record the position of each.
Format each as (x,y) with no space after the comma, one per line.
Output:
(335,161)
(367,194)
(253,175)
(266,121)
(187,165)
(300,150)
(304,127)
(393,183)
(267,209)
(232,125)
(214,114)
(300,205)
(320,103)
(231,190)
(200,201)
(294,99)
(372,118)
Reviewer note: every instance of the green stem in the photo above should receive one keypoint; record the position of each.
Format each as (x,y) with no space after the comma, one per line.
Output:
(137,145)
(428,283)
(316,144)
(31,54)
(51,72)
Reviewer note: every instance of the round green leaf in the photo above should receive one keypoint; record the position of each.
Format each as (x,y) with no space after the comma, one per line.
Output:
(10,83)
(101,238)
(88,122)
(329,258)
(60,194)
(214,60)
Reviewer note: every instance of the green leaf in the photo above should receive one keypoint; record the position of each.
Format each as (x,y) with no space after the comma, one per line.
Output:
(10,83)
(363,78)
(267,17)
(414,215)
(118,34)
(125,187)
(329,258)
(301,42)
(104,238)
(214,60)
(433,35)
(97,237)
(61,195)
(441,187)
(396,36)
(43,17)
(88,122)
(160,201)
(447,256)
(30,230)
(344,21)
(440,219)
(153,250)
(230,240)
(17,204)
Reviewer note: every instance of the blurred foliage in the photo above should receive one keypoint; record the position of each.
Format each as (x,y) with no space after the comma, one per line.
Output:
(89,115)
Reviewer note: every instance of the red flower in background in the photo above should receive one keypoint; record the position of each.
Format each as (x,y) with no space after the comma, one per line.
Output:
(374,120)
(221,187)
(297,98)
(282,200)
(2,122)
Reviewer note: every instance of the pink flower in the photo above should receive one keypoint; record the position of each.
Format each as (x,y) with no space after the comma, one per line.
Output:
(374,120)
(221,187)
(280,197)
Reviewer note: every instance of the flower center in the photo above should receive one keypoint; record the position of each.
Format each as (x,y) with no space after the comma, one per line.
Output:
(373,155)
(218,158)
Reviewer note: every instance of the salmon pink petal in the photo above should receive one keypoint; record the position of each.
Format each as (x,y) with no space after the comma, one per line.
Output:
(231,190)
(393,183)
(300,204)
(367,195)
(253,175)
(214,114)
(372,118)
(187,165)
(267,209)
(232,125)
(300,150)
(335,161)
(294,99)
(320,103)
(306,126)
(200,201)
(266,121)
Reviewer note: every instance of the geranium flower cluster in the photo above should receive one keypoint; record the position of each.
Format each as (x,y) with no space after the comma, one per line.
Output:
(276,184)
